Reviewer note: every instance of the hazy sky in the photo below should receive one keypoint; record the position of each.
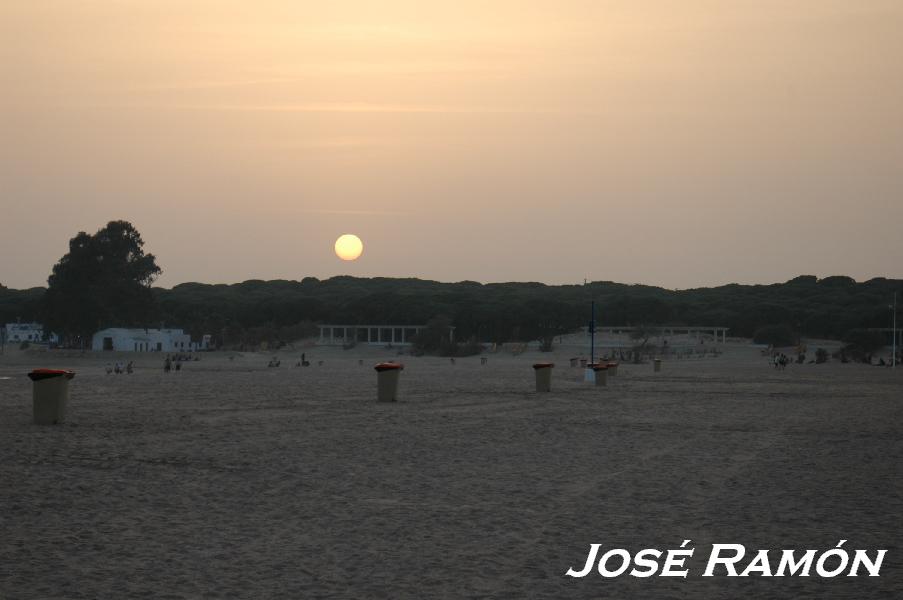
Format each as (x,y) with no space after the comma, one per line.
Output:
(676,143)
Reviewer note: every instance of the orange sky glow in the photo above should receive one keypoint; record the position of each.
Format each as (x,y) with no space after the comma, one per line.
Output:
(679,144)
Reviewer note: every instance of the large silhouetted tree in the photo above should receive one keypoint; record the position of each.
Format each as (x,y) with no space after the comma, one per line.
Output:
(103,281)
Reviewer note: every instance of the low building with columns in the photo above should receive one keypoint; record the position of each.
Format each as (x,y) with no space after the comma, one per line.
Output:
(716,334)
(383,335)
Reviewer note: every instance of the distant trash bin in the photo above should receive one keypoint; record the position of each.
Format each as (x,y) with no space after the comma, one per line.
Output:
(573,362)
(483,360)
(589,373)
(387,381)
(543,376)
(657,365)
(601,374)
(582,363)
(612,368)
(50,395)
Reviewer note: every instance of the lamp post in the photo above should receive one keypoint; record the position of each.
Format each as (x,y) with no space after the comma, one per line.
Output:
(592,333)
(893,360)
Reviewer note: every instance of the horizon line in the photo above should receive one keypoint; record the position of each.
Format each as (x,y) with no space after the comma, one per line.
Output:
(508,282)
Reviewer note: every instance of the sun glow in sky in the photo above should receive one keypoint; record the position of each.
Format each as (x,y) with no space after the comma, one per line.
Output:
(349,247)
(673,143)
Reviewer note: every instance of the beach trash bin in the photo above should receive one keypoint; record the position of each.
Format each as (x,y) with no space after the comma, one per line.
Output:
(601,374)
(387,381)
(50,395)
(543,376)
(582,363)
(589,373)
(657,365)
(573,362)
(612,369)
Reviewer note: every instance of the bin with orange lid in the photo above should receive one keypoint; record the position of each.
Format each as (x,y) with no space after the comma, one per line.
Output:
(387,375)
(612,368)
(543,376)
(50,395)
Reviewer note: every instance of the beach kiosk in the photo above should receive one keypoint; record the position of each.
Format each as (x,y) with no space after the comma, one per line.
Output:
(387,381)
(50,395)
(543,376)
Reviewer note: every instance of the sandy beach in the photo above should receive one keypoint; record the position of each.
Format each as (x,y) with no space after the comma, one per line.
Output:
(233,480)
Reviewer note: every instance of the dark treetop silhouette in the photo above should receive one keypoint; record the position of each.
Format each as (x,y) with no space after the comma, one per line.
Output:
(103,280)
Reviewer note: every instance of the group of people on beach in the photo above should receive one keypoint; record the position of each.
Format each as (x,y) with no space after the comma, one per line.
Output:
(174,362)
(892,361)
(119,368)
(171,363)
(781,361)
(275,362)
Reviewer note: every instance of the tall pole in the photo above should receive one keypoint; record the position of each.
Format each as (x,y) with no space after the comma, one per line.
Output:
(592,333)
(893,360)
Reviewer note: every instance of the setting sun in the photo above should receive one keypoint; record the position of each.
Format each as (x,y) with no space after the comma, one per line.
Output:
(348,247)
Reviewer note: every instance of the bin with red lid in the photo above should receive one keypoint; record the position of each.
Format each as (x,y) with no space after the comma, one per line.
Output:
(612,368)
(543,376)
(50,395)
(387,375)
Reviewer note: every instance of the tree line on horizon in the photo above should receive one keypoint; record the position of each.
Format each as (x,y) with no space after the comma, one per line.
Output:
(105,280)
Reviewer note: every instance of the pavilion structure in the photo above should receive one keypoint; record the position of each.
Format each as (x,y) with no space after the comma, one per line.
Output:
(718,334)
(383,335)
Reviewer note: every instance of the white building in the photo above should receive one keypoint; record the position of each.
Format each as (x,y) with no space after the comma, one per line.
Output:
(27,332)
(146,340)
